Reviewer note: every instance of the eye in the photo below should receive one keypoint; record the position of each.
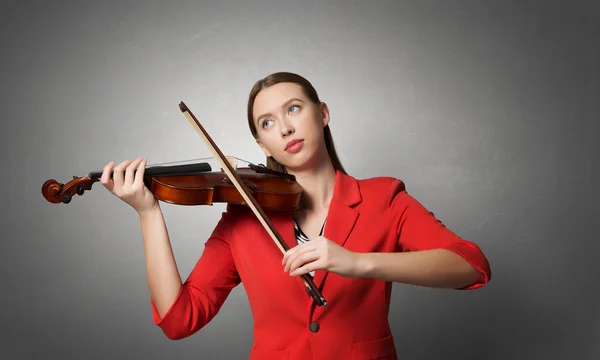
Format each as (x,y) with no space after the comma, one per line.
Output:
(293,106)
(264,122)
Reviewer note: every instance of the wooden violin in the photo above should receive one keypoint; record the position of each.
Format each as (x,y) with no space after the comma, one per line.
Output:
(196,184)
(255,186)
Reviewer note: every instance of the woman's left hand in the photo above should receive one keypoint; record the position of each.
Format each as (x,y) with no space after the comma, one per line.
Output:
(320,253)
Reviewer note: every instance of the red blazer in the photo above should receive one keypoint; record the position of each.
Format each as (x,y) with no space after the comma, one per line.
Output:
(370,215)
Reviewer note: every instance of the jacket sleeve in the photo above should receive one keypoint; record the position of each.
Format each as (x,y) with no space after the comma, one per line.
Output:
(206,288)
(418,229)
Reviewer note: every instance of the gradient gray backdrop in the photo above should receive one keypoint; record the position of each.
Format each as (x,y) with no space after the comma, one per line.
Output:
(487,110)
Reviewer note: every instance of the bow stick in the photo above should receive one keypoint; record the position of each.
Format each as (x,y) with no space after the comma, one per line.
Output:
(250,201)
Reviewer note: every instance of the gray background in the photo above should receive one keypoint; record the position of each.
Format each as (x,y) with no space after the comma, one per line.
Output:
(487,110)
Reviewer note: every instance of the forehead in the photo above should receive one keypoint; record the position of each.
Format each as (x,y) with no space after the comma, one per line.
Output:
(271,98)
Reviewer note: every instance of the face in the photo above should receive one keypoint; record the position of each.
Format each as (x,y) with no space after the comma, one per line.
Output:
(282,113)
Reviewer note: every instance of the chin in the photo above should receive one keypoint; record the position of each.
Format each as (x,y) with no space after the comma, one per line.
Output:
(301,163)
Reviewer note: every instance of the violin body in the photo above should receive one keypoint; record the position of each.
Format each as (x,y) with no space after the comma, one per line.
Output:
(271,192)
(194,186)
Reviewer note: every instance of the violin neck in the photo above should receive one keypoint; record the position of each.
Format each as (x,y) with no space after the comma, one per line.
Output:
(173,170)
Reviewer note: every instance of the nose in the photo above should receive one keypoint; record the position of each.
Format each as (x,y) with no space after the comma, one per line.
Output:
(286,128)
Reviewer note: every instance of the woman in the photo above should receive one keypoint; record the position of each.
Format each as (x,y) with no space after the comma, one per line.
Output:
(356,237)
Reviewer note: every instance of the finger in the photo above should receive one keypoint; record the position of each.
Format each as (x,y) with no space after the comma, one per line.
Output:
(293,251)
(118,174)
(129,172)
(304,259)
(296,255)
(289,253)
(307,268)
(105,178)
(139,175)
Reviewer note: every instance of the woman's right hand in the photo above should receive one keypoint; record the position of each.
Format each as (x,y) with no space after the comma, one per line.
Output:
(128,186)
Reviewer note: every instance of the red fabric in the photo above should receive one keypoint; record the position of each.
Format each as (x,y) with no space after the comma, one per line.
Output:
(370,215)
(419,229)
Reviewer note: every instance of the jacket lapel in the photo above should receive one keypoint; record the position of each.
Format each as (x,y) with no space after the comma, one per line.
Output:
(341,219)
(341,215)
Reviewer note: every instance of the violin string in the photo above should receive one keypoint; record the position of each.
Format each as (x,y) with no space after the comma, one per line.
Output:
(242,160)
(196,159)
(176,162)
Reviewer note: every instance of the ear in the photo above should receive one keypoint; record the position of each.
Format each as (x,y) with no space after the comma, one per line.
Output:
(324,112)
(264,149)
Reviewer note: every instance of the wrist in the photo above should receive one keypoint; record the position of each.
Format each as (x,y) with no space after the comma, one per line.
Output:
(149,212)
(364,265)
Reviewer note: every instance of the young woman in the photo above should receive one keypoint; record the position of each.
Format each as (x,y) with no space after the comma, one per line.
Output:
(355,237)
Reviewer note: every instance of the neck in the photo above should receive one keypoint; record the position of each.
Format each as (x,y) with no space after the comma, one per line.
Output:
(317,183)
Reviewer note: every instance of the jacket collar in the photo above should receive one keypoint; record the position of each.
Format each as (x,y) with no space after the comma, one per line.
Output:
(346,190)
(341,214)
(341,217)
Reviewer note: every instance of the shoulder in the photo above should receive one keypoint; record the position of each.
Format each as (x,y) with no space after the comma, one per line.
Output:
(233,218)
(389,194)
(237,212)
(242,216)
(383,189)
(380,183)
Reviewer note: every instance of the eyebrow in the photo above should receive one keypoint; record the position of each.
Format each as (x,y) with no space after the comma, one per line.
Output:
(282,106)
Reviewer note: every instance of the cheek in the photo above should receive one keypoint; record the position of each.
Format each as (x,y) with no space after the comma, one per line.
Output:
(310,123)
(316,129)
(268,144)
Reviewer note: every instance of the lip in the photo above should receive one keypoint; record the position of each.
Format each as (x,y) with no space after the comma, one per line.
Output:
(292,142)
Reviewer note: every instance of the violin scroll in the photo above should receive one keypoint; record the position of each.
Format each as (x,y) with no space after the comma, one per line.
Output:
(57,193)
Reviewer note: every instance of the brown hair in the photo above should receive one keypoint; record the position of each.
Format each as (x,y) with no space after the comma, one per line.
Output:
(309,90)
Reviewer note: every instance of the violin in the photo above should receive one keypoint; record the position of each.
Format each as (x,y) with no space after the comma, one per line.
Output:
(255,186)
(196,184)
